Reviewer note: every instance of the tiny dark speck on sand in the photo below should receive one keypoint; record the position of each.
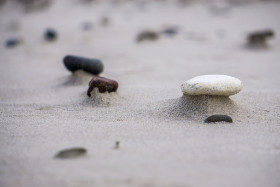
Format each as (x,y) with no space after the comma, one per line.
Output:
(71,153)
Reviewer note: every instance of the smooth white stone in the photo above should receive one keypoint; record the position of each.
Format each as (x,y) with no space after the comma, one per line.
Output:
(222,85)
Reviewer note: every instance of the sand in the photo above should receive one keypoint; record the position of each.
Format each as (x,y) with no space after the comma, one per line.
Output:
(162,138)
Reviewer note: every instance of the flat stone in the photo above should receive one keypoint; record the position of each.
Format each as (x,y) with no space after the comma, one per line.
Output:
(220,85)
(71,153)
(218,118)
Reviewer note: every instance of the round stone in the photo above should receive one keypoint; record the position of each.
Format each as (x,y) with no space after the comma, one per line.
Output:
(221,85)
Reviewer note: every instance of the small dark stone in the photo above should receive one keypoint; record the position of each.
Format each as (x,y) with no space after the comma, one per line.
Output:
(218,118)
(71,153)
(50,35)
(170,31)
(117,145)
(259,38)
(103,84)
(91,65)
(12,42)
(147,35)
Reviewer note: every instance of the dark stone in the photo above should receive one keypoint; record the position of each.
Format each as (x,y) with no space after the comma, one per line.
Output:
(103,84)
(72,63)
(147,35)
(71,153)
(218,118)
(51,35)
(91,65)
(259,38)
(12,42)
(170,31)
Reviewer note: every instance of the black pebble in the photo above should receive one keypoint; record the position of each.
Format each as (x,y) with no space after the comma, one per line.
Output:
(12,42)
(50,35)
(218,118)
(91,65)
(71,153)
(259,38)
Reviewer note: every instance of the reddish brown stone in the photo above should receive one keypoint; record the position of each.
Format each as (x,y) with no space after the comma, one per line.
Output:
(103,84)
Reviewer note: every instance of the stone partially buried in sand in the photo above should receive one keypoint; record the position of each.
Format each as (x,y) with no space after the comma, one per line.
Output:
(71,153)
(219,85)
(103,84)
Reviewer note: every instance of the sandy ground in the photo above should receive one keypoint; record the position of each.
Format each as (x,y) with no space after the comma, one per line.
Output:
(44,108)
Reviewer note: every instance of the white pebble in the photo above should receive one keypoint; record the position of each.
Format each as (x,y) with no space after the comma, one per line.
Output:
(221,85)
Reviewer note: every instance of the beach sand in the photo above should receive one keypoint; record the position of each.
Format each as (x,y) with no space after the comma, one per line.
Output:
(163,140)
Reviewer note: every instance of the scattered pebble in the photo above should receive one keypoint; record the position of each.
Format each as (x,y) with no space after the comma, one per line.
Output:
(12,42)
(171,31)
(259,38)
(71,153)
(220,85)
(147,35)
(218,118)
(91,65)
(117,145)
(103,84)
(50,35)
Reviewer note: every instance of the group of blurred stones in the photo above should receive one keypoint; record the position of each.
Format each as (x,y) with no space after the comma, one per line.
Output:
(255,39)
(215,5)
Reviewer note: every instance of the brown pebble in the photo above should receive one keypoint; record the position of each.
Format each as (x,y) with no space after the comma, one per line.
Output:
(103,84)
